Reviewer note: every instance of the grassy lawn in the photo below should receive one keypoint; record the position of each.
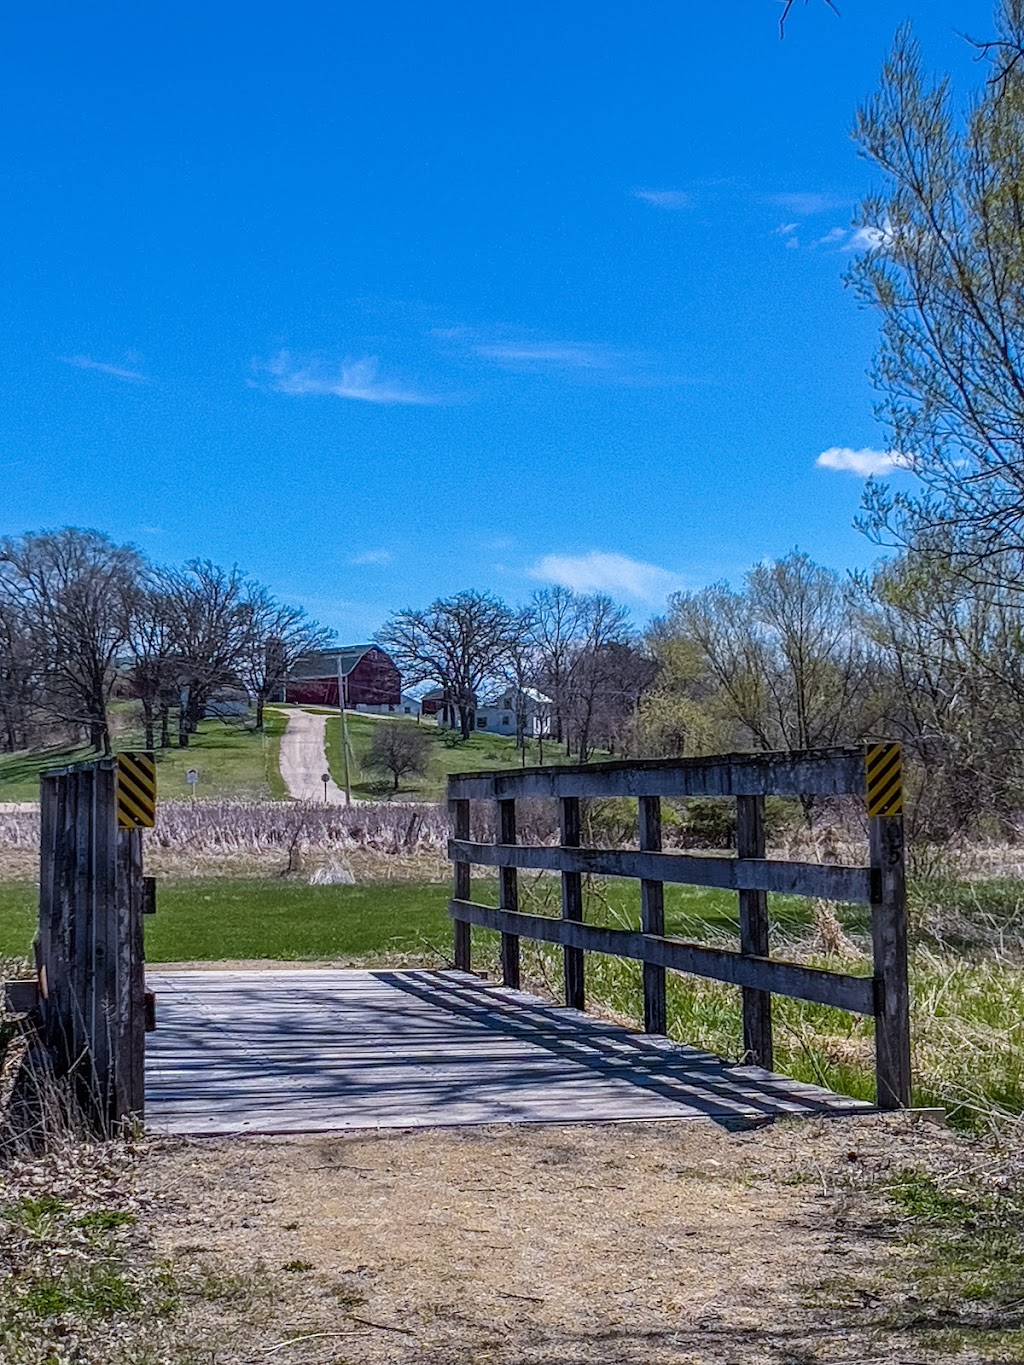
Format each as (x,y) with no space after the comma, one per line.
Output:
(231,761)
(220,918)
(481,751)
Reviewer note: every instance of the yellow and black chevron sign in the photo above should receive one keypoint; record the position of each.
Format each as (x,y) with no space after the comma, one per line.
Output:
(136,791)
(884,763)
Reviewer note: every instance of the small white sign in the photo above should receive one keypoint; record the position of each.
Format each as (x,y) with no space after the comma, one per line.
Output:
(192,777)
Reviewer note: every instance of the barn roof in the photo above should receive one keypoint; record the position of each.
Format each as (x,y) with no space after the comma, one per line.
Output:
(324,663)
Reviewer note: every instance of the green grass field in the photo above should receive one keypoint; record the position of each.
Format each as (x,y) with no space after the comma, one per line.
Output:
(230,761)
(220,918)
(478,753)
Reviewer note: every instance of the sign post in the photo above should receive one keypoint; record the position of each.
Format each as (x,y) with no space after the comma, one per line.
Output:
(325,778)
(192,777)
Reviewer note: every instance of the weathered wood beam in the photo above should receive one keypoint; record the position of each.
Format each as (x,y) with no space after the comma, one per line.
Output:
(821,772)
(855,993)
(848,884)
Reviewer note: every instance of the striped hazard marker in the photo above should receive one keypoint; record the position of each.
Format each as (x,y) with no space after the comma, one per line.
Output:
(884,765)
(136,791)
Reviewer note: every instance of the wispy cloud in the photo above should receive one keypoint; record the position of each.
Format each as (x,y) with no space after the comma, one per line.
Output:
(665,199)
(535,355)
(372,557)
(616,574)
(864,462)
(85,362)
(867,238)
(807,205)
(357,379)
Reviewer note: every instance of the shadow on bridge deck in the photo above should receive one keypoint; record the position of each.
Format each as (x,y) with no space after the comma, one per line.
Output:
(313,1050)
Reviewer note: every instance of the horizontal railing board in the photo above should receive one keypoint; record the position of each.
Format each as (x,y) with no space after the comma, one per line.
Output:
(828,881)
(855,993)
(829,772)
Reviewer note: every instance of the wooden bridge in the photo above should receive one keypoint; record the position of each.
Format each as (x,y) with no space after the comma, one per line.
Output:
(319,1050)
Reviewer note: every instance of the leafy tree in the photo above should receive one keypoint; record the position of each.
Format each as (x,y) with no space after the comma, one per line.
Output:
(945,271)
(398,748)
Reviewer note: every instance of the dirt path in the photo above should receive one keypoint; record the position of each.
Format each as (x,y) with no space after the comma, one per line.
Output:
(304,759)
(663,1243)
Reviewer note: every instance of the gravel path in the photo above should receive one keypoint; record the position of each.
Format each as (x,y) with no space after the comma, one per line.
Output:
(304,759)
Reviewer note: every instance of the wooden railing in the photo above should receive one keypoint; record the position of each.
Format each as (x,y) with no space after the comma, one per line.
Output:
(870,773)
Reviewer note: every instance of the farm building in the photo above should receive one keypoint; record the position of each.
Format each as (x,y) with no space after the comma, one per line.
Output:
(499,714)
(372,681)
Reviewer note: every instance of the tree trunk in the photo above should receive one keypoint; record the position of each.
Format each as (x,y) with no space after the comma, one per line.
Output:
(259,712)
(165,726)
(147,722)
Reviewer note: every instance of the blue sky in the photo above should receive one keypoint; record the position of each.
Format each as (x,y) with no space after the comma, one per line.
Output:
(380,302)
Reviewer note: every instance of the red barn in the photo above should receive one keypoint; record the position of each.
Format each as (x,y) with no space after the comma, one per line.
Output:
(372,681)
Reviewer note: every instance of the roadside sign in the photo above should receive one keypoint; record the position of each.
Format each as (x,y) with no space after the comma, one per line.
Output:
(325,778)
(191,777)
(136,790)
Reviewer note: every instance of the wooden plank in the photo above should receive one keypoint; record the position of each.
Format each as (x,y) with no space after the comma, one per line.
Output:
(757,1005)
(459,813)
(856,993)
(342,1062)
(652,917)
(570,833)
(850,885)
(131,1007)
(106,1016)
(889,936)
(817,772)
(505,831)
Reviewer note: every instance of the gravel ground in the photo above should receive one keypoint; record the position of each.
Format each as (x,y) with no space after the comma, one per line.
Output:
(664,1242)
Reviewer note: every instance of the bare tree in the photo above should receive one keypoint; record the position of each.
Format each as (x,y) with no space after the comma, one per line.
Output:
(558,628)
(71,589)
(211,627)
(460,642)
(603,624)
(278,636)
(398,748)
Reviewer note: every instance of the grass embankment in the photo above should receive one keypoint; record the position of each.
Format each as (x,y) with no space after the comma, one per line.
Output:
(231,760)
(482,752)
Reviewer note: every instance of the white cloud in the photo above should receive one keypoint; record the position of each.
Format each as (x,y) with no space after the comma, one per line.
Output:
(371,557)
(863,462)
(554,355)
(867,238)
(612,573)
(807,205)
(832,238)
(84,362)
(358,379)
(664,199)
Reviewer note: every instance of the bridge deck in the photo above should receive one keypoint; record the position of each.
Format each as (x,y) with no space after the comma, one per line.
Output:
(311,1050)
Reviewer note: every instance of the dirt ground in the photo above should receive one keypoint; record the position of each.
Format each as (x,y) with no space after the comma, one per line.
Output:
(565,1245)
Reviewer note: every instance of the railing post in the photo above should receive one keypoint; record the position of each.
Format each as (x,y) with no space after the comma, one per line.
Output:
(757,1005)
(572,902)
(463,942)
(505,833)
(652,917)
(889,938)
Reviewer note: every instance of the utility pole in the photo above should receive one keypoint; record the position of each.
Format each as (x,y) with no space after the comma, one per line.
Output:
(344,733)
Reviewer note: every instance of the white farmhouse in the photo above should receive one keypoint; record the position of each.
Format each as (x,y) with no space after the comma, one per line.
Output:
(499,713)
